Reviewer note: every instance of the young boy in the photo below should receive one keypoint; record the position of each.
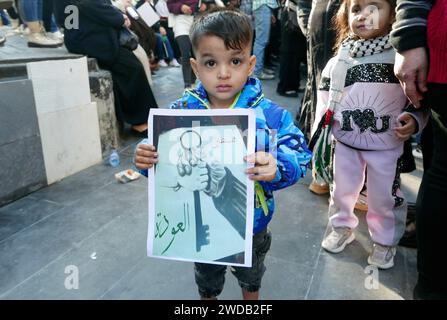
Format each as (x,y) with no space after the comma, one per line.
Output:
(222,45)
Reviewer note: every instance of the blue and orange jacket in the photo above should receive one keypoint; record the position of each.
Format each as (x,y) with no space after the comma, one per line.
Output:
(288,142)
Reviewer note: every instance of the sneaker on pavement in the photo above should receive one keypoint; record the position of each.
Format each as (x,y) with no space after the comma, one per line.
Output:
(162,63)
(269,71)
(2,40)
(382,256)
(319,188)
(338,239)
(265,76)
(174,63)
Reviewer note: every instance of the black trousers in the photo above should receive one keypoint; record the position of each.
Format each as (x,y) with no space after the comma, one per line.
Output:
(431,212)
(292,53)
(47,13)
(185,46)
(133,95)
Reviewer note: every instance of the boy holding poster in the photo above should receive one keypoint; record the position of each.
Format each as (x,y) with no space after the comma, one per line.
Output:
(222,44)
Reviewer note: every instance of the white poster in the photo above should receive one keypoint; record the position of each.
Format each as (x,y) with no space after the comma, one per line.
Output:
(148,14)
(200,199)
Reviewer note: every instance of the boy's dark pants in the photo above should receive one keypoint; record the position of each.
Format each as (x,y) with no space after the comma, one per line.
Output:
(431,214)
(210,278)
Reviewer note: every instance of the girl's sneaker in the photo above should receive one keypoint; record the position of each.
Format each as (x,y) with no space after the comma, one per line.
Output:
(174,63)
(382,256)
(338,239)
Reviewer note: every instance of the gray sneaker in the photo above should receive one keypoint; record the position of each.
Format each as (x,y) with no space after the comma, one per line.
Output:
(382,256)
(338,239)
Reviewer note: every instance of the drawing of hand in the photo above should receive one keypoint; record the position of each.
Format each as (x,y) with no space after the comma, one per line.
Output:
(197,179)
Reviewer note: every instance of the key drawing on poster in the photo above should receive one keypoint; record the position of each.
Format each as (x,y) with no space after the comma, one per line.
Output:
(200,199)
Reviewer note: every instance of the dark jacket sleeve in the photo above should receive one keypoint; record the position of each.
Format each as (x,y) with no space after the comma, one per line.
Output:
(410,29)
(103,12)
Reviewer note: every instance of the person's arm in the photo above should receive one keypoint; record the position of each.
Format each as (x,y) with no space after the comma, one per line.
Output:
(409,39)
(292,154)
(175,6)
(303,11)
(103,12)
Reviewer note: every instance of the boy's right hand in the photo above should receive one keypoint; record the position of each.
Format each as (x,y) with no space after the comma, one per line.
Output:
(145,156)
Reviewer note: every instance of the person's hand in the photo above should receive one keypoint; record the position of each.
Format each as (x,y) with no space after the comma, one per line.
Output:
(202,7)
(146,156)
(185,9)
(126,21)
(265,166)
(163,31)
(406,128)
(196,179)
(411,69)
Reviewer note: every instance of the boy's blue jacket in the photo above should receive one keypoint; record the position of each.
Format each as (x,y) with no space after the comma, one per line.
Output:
(292,153)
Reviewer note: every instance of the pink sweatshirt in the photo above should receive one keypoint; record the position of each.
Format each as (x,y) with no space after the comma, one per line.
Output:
(371,104)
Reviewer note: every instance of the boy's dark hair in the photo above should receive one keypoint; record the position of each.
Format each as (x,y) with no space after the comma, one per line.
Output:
(232,26)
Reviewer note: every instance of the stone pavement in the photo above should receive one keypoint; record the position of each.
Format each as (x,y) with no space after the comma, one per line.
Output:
(92,222)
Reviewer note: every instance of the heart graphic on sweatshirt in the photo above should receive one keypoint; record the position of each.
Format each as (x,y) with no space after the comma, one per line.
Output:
(364,119)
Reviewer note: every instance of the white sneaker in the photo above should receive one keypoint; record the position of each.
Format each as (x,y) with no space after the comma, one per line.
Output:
(162,64)
(338,239)
(2,40)
(56,36)
(265,76)
(174,63)
(382,256)
(40,40)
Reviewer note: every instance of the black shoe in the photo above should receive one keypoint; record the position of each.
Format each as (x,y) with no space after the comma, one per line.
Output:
(289,94)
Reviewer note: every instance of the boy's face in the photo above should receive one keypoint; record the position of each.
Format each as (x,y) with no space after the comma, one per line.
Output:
(223,71)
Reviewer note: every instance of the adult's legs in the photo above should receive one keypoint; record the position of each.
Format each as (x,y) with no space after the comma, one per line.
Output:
(431,217)
(292,53)
(31,11)
(185,46)
(262,28)
(47,16)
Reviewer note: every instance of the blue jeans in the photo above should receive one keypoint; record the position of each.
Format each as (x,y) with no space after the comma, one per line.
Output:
(262,28)
(163,48)
(31,10)
(4,18)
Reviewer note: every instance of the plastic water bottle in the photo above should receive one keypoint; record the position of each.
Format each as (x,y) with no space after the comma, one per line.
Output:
(114,158)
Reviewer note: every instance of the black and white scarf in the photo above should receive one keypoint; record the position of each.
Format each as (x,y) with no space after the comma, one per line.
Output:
(361,47)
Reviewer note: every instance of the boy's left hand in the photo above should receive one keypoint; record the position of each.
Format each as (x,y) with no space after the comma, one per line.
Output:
(405,130)
(265,166)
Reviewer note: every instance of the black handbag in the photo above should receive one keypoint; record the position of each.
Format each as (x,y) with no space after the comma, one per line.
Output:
(128,39)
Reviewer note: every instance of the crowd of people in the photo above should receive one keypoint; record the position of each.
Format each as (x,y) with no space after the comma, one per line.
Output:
(376,76)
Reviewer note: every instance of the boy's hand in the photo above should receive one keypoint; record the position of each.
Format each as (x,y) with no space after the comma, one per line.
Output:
(405,130)
(146,156)
(265,166)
